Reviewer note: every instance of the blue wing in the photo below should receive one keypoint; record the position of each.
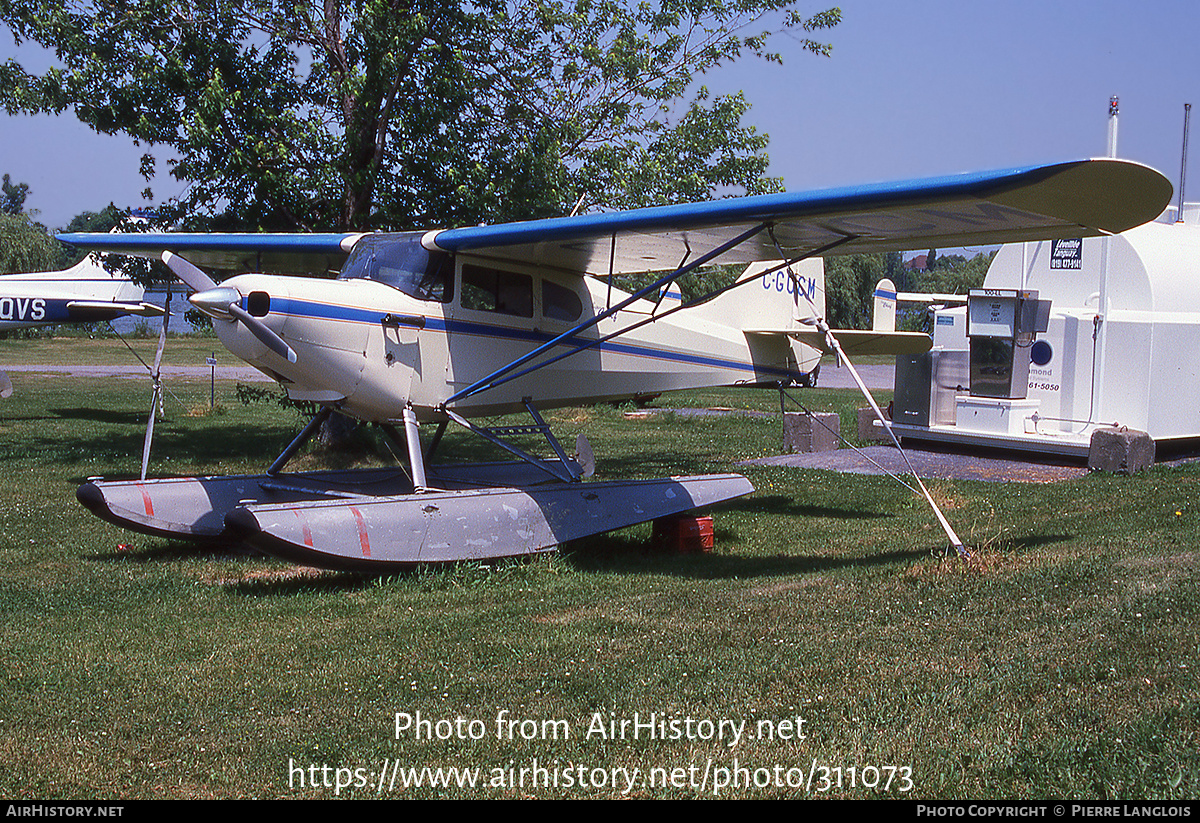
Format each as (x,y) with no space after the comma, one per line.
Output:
(1074,199)
(278,253)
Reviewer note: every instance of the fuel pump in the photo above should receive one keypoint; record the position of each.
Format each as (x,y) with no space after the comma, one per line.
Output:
(1001,327)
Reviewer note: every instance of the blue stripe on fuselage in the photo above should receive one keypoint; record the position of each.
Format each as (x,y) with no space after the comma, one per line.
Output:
(34,310)
(294,307)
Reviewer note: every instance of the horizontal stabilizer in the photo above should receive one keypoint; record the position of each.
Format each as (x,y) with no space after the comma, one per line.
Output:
(922,297)
(858,341)
(861,342)
(91,311)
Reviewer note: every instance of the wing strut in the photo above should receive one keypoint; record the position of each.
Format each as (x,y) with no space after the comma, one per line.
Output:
(836,347)
(156,397)
(490,381)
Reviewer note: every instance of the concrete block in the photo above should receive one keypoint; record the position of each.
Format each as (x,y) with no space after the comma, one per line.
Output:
(868,429)
(803,433)
(1120,450)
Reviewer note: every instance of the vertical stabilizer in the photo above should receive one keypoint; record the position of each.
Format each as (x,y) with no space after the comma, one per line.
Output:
(883,314)
(771,303)
(780,298)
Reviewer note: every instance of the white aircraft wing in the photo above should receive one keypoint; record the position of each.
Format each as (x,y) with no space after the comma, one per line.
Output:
(1073,199)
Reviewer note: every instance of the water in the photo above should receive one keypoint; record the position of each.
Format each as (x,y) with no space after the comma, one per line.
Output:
(178,325)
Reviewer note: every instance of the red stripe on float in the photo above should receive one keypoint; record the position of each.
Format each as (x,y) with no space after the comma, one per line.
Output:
(362,532)
(146,500)
(305,530)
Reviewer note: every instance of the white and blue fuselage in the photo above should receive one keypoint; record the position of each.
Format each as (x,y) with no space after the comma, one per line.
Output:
(372,343)
(85,292)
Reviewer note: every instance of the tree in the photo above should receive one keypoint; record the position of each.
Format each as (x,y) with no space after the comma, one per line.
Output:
(25,246)
(12,197)
(96,221)
(850,289)
(338,115)
(102,221)
(894,270)
(955,274)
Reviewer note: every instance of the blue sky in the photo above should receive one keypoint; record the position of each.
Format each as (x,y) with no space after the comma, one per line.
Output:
(913,89)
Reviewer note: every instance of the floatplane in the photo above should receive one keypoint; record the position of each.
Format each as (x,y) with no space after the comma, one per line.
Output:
(447,327)
(84,293)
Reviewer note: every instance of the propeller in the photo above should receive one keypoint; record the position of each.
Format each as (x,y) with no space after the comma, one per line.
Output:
(218,301)
(156,398)
(188,272)
(224,302)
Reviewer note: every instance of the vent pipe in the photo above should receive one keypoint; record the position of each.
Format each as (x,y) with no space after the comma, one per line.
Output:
(1187,113)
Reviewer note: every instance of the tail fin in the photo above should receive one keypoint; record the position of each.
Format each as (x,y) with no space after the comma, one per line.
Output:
(87,280)
(771,304)
(777,315)
(883,314)
(782,299)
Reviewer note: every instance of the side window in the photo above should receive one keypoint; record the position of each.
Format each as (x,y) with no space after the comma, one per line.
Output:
(560,303)
(502,292)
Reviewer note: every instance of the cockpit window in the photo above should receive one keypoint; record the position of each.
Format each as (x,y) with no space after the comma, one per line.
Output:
(400,261)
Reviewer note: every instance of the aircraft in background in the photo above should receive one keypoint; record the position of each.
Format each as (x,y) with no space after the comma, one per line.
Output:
(84,293)
(447,326)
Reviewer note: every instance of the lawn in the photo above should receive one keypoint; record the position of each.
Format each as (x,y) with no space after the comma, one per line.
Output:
(827,647)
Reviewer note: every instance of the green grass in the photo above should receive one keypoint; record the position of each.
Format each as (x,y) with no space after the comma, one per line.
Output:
(1059,661)
(188,350)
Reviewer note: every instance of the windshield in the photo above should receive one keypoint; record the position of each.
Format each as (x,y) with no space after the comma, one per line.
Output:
(400,261)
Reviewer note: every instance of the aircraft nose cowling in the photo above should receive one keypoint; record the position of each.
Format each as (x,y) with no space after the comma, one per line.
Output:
(225,303)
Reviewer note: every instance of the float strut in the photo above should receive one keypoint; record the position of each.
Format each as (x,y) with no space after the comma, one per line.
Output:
(415,460)
(305,433)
